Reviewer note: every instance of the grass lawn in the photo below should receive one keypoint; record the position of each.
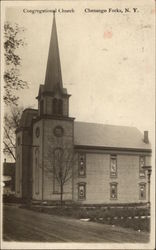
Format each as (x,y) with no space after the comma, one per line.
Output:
(129,217)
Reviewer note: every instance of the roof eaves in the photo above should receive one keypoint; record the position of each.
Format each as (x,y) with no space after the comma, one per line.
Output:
(87,147)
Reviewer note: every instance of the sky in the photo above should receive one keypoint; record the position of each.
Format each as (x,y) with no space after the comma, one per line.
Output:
(107,59)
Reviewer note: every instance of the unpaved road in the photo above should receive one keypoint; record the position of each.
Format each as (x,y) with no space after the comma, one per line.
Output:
(29,226)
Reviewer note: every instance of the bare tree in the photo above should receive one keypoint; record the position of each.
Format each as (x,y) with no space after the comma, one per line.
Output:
(11,123)
(62,167)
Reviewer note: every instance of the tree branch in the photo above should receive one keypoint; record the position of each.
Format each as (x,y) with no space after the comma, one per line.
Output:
(10,151)
(9,138)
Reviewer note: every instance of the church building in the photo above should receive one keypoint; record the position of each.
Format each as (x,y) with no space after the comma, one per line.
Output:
(88,163)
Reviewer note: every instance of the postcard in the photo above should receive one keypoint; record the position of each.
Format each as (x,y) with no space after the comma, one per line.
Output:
(78,105)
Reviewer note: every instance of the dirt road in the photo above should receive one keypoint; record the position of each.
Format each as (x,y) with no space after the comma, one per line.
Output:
(25,225)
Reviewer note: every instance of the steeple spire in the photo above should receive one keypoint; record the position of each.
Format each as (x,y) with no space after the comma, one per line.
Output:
(53,78)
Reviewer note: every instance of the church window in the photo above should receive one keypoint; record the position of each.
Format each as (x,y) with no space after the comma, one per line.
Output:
(141,165)
(113,190)
(18,141)
(142,191)
(54,106)
(60,107)
(36,172)
(41,107)
(82,165)
(81,191)
(37,132)
(57,106)
(113,166)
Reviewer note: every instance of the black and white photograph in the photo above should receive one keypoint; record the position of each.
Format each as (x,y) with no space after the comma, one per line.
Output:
(78,124)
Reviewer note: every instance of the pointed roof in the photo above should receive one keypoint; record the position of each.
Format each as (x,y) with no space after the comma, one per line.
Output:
(53,78)
(102,135)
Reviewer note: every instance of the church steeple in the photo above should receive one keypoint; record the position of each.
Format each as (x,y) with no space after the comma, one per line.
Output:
(53,99)
(53,77)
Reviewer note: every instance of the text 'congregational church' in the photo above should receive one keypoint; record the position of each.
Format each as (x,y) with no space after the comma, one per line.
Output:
(83,162)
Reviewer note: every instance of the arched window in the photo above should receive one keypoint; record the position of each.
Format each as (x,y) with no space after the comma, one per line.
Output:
(82,191)
(113,190)
(54,106)
(57,106)
(36,171)
(81,164)
(142,191)
(60,107)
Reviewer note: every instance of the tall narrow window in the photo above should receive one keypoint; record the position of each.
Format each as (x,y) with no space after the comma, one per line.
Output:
(113,166)
(142,191)
(54,106)
(57,106)
(82,165)
(113,190)
(60,107)
(141,165)
(82,191)
(36,172)
(18,141)
(41,107)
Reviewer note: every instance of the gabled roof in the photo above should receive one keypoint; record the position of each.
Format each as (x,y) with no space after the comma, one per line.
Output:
(100,135)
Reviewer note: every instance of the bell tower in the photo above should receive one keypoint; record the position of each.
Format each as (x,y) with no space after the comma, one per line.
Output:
(53,99)
(52,129)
